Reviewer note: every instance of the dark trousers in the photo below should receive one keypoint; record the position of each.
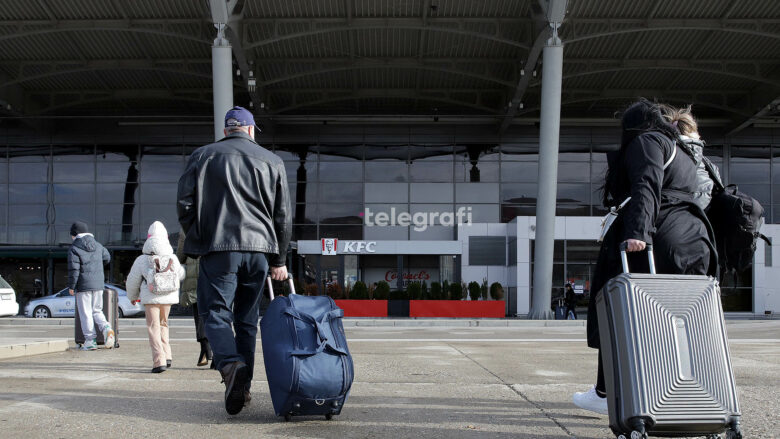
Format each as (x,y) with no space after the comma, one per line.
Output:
(573,311)
(601,385)
(230,285)
(200,327)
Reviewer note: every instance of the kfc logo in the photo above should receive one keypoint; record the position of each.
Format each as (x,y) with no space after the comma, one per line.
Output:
(329,246)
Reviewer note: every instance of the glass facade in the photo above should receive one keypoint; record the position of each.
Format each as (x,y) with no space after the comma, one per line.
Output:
(120,189)
(335,179)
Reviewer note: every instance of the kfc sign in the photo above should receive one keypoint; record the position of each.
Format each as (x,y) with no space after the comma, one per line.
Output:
(359,247)
(329,246)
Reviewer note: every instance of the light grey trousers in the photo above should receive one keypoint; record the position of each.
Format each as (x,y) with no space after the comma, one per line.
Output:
(90,305)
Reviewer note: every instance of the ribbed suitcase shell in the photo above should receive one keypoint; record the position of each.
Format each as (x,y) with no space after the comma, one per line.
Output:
(110,311)
(666,357)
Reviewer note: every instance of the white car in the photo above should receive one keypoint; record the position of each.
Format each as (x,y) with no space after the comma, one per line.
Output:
(62,304)
(8,305)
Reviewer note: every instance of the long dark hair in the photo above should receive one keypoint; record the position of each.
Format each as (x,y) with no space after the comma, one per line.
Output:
(640,117)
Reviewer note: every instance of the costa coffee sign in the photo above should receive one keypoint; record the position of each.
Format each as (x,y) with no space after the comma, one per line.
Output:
(391,276)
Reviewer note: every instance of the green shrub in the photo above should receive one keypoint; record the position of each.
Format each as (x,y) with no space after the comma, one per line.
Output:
(311,289)
(335,291)
(414,291)
(445,291)
(359,291)
(456,291)
(435,293)
(424,294)
(398,295)
(484,290)
(496,291)
(382,291)
(474,290)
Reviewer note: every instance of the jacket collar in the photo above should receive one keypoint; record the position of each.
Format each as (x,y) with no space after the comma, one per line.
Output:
(240,134)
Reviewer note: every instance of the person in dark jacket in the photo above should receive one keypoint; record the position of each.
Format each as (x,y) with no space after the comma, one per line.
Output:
(683,120)
(234,207)
(660,181)
(570,298)
(86,280)
(189,297)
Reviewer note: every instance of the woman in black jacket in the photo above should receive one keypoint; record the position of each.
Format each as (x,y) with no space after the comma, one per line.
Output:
(660,179)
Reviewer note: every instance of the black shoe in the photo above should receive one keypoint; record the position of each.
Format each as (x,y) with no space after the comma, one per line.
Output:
(205,353)
(235,376)
(213,365)
(168,364)
(158,369)
(202,359)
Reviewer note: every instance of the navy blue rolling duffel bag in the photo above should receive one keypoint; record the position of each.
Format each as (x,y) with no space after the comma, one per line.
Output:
(307,361)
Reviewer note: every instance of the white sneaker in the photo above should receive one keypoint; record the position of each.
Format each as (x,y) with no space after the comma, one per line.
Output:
(591,401)
(109,337)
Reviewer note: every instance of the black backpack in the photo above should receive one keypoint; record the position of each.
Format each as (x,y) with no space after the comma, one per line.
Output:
(736,219)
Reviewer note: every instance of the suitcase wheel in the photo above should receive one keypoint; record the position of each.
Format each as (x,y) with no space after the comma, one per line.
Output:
(735,433)
(328,417)
(287,417)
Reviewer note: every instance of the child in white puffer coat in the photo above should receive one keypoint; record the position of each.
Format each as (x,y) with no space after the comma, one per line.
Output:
(157,296)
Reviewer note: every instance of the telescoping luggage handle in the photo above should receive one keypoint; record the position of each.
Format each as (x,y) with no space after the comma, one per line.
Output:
(271,287)
(624,257)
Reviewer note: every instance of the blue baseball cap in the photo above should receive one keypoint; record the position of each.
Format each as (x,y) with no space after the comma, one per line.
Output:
(239,117)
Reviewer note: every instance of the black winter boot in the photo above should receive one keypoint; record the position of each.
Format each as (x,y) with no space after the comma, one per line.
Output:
(235,376)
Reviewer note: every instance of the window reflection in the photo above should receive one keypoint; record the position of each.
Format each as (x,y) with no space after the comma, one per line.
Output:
(431,171)
(74,193)
(519,171)
(387,171)
(28,193)
(519,193)
(341,171)
(66,214)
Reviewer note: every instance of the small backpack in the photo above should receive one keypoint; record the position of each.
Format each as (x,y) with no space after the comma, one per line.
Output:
(163,281)
(736,219)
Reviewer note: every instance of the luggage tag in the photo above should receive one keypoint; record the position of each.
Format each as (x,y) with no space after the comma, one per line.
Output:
(610,218)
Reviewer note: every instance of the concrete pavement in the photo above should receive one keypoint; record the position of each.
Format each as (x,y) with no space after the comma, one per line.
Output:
(438,382)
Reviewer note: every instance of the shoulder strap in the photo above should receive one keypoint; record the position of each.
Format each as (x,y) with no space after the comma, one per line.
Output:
(714,175)
(170,263)
(671,158)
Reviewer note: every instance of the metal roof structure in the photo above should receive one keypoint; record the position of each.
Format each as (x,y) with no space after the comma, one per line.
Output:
(391,57)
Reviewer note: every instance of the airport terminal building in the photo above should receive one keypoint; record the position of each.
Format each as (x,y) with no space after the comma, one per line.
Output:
(410,130)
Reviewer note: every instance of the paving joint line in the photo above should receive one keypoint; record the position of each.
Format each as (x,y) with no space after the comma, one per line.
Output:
(519,393)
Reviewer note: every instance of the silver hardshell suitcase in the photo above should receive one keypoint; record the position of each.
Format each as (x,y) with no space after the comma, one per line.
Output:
(666,356)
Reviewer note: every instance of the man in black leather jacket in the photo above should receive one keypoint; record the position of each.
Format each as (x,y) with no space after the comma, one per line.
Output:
(234,207)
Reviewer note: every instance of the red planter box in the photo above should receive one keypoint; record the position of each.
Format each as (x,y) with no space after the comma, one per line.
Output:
(457,308)
(363,308)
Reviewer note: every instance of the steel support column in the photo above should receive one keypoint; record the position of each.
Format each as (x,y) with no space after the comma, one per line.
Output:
(549,129)
(222,72)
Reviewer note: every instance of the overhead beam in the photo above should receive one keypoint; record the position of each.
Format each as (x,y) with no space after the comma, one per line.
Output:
(696,97)
(385,23)
(406,63)
(525,78)
(235,34)
(25,29)
(772,107)
(102,65)
(628,26)
(444,96)
(77,98)
(629,65)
